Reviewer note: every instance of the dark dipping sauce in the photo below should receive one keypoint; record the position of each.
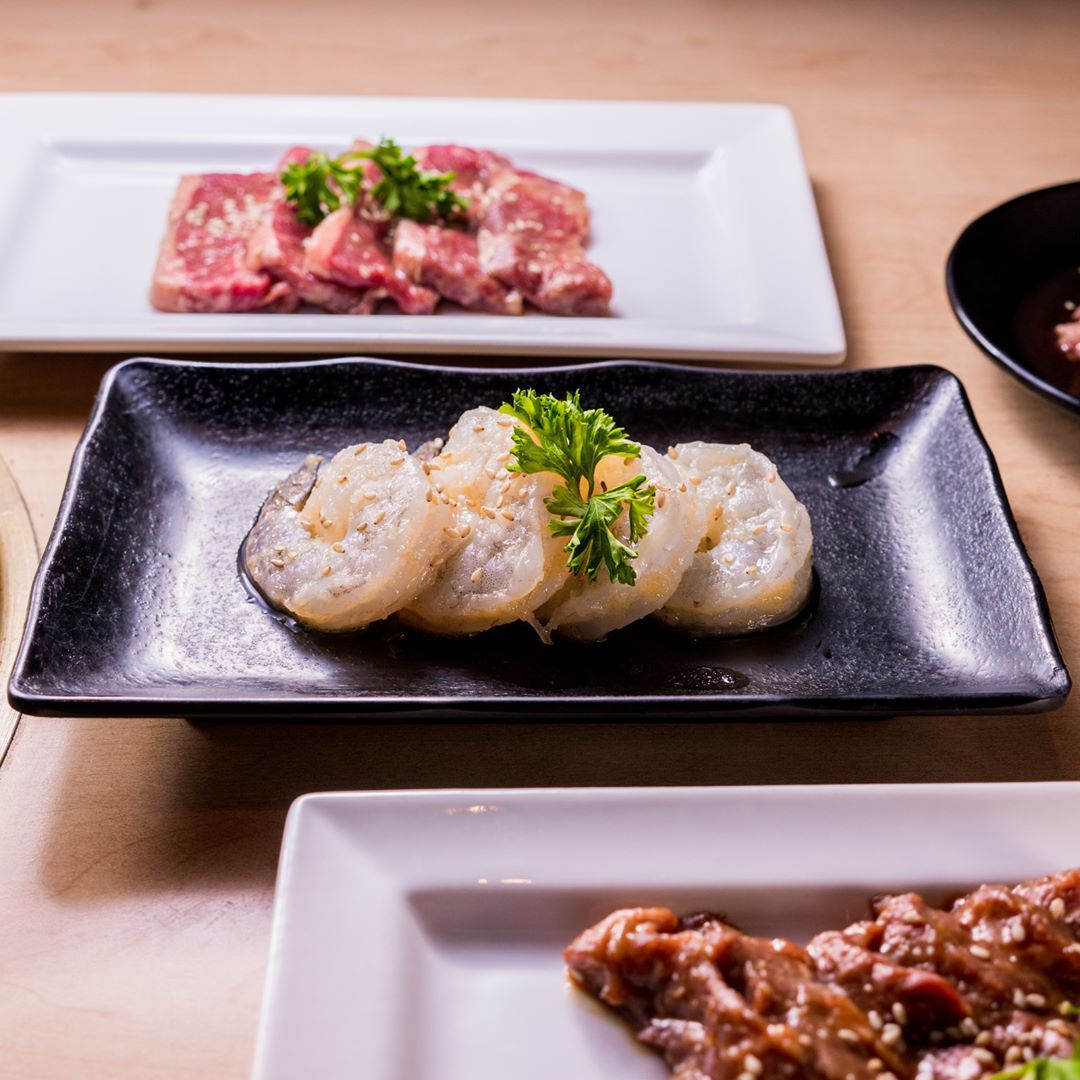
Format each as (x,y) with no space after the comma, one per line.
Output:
(1040,310)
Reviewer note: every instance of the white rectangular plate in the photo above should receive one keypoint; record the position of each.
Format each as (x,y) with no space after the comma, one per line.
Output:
(703,217)
(418,936)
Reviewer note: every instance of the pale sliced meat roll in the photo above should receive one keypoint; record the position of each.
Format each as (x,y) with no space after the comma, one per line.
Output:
(754,567)
(507,562)
(590,611)
(342,544)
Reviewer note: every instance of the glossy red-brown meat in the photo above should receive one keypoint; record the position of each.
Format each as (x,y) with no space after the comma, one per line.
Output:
(1068,339)
(915,991)
(203,264)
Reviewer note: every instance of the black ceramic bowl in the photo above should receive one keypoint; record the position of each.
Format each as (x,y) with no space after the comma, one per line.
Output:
(1009,276)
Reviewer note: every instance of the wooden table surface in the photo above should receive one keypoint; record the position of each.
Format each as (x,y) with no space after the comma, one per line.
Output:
(137,858)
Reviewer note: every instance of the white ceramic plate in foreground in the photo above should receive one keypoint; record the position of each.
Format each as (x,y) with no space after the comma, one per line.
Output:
(703,217)
(418,936)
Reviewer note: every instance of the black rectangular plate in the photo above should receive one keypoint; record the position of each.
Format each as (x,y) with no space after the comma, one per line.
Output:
(925,601)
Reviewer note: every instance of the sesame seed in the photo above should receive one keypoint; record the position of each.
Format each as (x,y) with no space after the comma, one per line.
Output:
(661,498)
(891,1034)
(981,951)
(362,527)
(1028,1053)
(327,571)
(757,530)
(342,478)
(772,476)
(887,1076)
(875,1065)
(487,512)
(1019,999)
(506,514)
(1057,907)
(805,1039)
(429,494)
(277,562)
(673,453)
(505,421)
(984,1038)
(478,428)
(1036,1001)
(968,1026)
(744,1076)
(751,571)
(426,466)
(401,444)
(360,449)
(370,496)
(729,559)
(848,1035)
(476,575)
(398,461)
(731,488)
(752,1065)
(1059,1026)
(682,487)
(1018,932)
(875,1019)
(339,547)
(451,532)
(465,531)
(378,518)
(900,1013)
(1013,1055)
(909,916)
(983,1056)
(695,480)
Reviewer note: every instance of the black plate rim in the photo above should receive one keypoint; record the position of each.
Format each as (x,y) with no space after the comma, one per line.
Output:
(343,707)
(1009,363)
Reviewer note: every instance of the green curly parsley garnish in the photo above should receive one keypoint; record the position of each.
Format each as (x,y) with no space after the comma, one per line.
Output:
(1048,1068)
(320,185)
(570,442)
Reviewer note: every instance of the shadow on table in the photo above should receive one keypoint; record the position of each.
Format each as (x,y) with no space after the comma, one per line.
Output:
(182,807)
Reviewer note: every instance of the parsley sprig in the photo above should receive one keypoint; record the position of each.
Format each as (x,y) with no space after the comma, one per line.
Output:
(320,185)
(1048,1068)
(570,442)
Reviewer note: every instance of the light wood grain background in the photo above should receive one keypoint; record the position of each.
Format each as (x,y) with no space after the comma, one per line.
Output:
(137,857)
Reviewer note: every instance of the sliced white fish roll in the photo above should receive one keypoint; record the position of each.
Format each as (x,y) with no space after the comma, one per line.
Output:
(507,562)
(342,544)
(592,611)
(755,566)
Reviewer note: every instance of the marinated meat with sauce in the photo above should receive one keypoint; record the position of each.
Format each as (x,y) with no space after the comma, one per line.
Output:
(914,993)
